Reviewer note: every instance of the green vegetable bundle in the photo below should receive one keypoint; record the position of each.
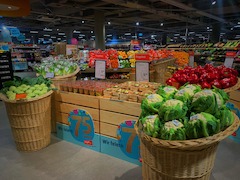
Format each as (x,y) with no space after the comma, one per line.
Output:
(187,113)
(59,68)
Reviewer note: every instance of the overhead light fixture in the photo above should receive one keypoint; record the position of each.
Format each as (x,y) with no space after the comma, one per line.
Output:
(161,24)
(34,32)
(58,38)
(231,29)
(109,23)
(91,31)
(65,36)
(83,22)
(46,29)
(128,34)
(93,36)
(137,23)
(76,32)
(109,35)
(57,29)
(214,2)
(61,34)
(47,35)
(9,7)
(53,37)
(82,35)
(208,27)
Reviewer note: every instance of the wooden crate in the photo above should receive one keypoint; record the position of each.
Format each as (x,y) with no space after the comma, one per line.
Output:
(124,107)
(78,99)
(235,95)
(67,102)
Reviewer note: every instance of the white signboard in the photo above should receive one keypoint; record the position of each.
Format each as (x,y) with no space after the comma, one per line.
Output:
(142,71)
(228,62)
(100,69)
(191,61)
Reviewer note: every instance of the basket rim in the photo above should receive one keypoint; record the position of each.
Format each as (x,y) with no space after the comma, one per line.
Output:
(191,143)
(4,98)
(65,76)
(233,88)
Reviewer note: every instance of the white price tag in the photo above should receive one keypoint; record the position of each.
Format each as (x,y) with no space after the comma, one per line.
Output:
(228,62)
(49,75)
(100,69)
(191,61)
(142,71)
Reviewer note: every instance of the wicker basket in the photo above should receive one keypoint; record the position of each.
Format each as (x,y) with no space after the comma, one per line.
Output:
(30,122)
(160,70)
(233,88)
(175,160)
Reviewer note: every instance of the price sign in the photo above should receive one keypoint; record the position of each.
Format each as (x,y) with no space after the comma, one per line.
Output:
(191,59)
(81,125)
(229,59)
(100,69)
(129,140)
(142,71)
(142,57)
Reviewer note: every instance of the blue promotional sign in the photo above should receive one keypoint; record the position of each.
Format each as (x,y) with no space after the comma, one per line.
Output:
(21,37)
(81,126)
(127,137)
(15,32)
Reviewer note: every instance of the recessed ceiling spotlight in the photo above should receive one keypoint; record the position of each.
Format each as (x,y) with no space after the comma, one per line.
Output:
(161,24)
(91,31)
(57,29)
(231,29)
(214,2)
(9,7)
(83,22)
(137,23)
(208,27)
(109,23)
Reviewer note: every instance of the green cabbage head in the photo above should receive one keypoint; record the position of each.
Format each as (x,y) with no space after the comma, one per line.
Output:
(172,109)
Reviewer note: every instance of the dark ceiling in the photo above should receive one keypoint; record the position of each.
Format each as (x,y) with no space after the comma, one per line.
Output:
(154,17)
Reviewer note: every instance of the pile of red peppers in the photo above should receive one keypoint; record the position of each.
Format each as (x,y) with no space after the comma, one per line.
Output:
(207,76)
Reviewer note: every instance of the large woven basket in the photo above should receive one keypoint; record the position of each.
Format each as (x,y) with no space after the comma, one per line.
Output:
(185,160)
(161,68)
(30,122)
(233,88)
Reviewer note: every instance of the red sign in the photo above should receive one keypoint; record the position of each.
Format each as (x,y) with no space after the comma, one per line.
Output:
(142,57)
(88,143)
(100,56)
(135,42)
(230,54)
(191,53)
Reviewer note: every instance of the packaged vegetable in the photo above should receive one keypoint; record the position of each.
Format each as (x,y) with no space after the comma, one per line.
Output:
(202,125)
(173,130)
(172,109)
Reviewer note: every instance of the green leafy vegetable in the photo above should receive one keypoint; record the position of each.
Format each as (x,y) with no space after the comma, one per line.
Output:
(226,117)
(202,125)
(173,130)
(167,92)
(151,125)
(172,109)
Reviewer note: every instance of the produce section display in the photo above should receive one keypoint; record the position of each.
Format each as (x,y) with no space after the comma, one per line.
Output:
(93,88)
(26,88)
(207,76)
(57,67)
(131,91)
(187,113)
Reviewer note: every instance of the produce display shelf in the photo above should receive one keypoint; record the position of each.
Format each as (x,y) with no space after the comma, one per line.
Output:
(92,70)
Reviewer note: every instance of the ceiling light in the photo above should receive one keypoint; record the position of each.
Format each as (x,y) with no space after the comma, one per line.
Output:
(161,24)
(9,7)
(65,36)
(46,29)
(53,37)
(109,22)
(208,27)
(109,35)
(91,31)
(82,35)
(76,31)
(231,29)
(214,2)
(61,34)
(137,23)
(83,22)
(58,38)
(46,35)
(33,32)
(127,34)
(57,29)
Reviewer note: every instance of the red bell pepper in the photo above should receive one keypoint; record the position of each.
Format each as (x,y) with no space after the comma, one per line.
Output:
(193,79)
(216,83)
(205,85)
(226,83)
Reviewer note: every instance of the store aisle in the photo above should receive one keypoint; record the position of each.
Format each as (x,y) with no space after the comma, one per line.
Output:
(65,161)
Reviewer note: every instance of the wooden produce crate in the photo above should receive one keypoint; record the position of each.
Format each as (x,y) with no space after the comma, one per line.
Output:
(113,113)
(235,98)
(65,102)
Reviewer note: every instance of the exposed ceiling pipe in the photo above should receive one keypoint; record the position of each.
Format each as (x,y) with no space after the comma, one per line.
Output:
(189,8)
(147,9)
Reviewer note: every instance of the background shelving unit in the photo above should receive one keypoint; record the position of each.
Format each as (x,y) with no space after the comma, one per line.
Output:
(6,70)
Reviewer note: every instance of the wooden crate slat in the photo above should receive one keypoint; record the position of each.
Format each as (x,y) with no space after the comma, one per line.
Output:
(124,107)
(66,108)
(115,118)
(108,129)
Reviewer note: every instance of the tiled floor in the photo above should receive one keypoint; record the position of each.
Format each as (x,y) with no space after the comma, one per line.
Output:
(62,160)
